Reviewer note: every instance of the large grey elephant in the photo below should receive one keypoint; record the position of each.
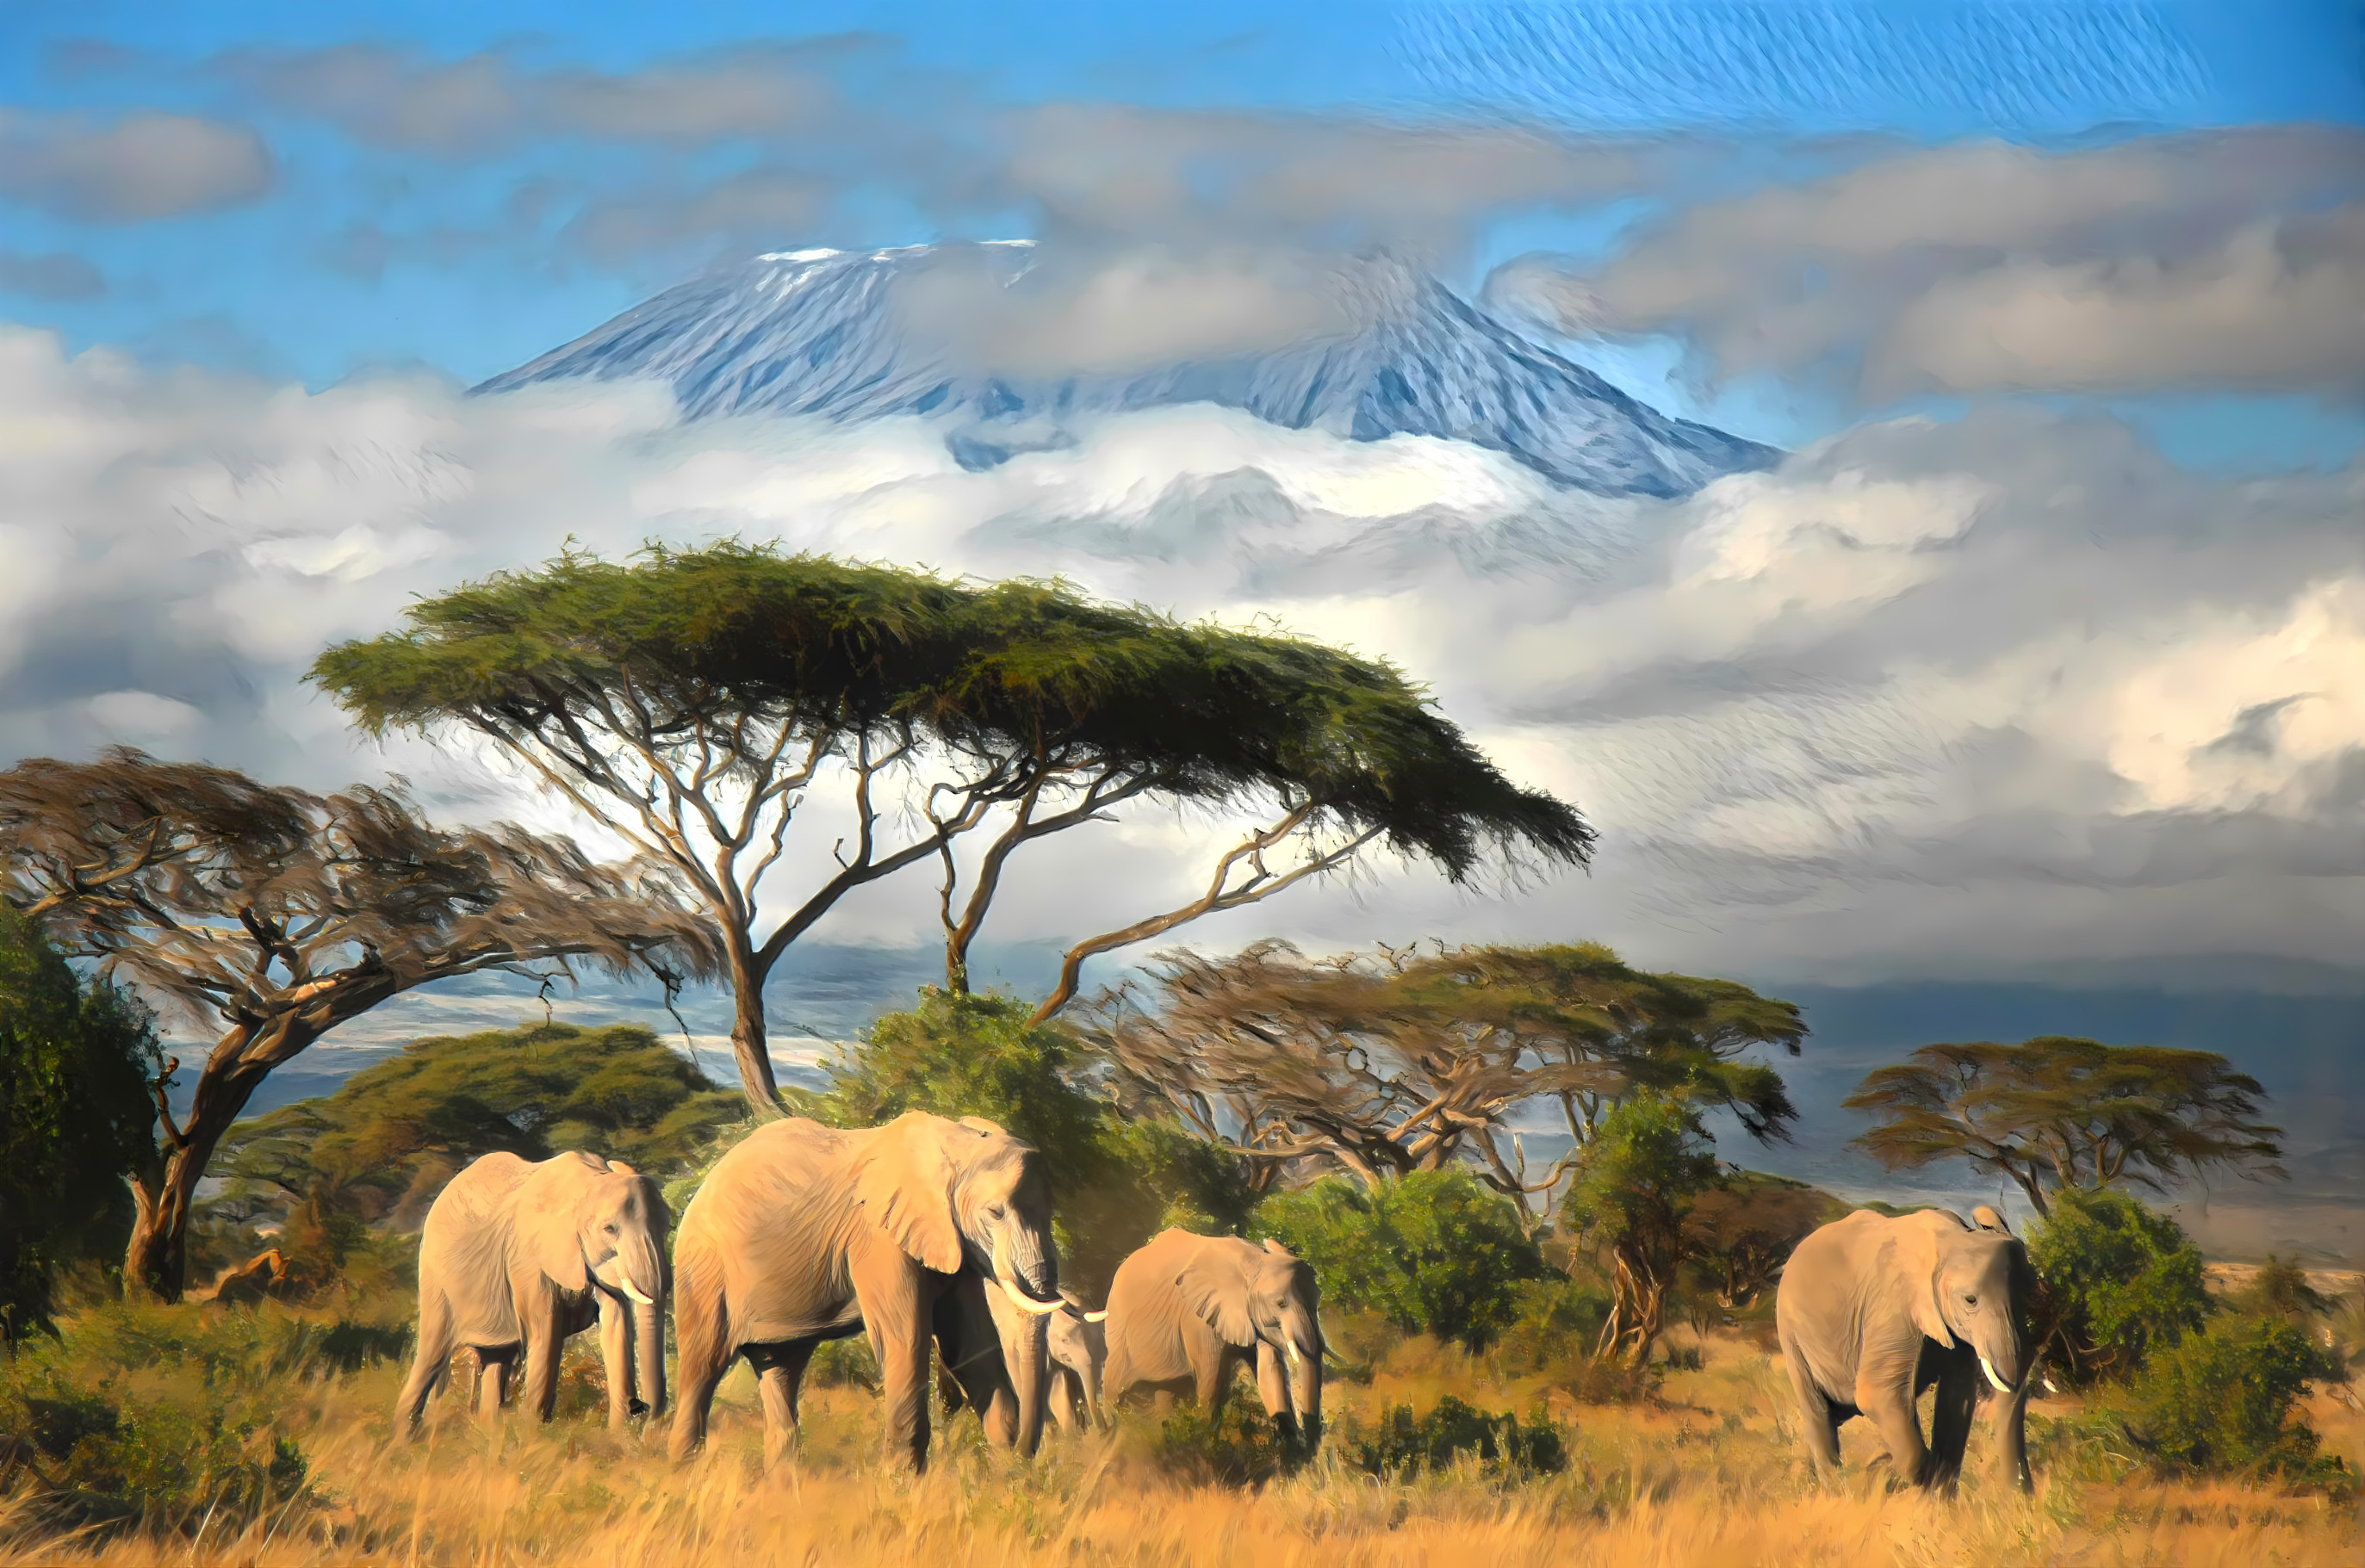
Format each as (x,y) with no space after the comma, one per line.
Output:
(1871,1311)
(518,1256)
(921,1229)
(1186,1310)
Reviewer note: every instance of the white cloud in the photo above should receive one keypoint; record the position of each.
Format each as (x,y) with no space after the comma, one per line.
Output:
(146,165)
(2209,258)
(1931,697)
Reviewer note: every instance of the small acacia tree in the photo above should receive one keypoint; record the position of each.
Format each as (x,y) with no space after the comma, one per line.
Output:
(1632,1192)
(1740,1233)
(2058,1113)
(692,701)
(1415,1062)
(76,1060)
(276,915)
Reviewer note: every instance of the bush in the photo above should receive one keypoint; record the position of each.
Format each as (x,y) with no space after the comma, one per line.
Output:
(2220,1400)
(844,1364)
(1398,1441)
(1432,1251)
(1555,1322)
(2119,1281)
(75,1062)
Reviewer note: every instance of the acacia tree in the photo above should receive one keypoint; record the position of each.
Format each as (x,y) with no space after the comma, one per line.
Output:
(2057,1113)
(1408,1061)
(691,703)
(277,915)
(1739,1234)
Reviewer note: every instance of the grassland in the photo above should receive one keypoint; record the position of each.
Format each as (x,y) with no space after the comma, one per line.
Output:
(1711,1474)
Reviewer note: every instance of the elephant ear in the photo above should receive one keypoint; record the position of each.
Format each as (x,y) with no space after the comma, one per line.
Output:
(552,1233)
(907,1189)
(1218,1294)
(979,1124)
(1918,1261)
(1985,1218)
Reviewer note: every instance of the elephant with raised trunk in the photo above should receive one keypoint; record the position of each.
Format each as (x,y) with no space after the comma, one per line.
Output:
(517,1256)
(1871,1311)
(1185,1311)
(924,1229)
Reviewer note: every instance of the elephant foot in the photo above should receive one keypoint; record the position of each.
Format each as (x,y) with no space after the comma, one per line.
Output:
(637,1407)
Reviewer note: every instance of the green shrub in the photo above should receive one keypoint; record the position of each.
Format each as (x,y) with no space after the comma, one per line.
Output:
(101,1461)
(2220,1400)
(1433,1251)
(1398,1441)
(75,1060)
(2120,1281)
(844,1364)
(1555,1322)
(1239,1447)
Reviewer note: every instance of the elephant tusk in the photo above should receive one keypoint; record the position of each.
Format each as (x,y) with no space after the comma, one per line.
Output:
(634,1291)
(1026,1304)
(1289,1349)
(1096,1316)
(1989,1367)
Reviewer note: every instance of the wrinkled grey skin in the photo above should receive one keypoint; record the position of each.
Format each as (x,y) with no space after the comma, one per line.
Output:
(1186,1310)
(1871,1311)
(517,1256)
(1079,1360)
(803,1234)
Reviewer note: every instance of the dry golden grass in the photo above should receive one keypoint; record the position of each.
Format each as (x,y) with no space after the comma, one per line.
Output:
(1713,1479)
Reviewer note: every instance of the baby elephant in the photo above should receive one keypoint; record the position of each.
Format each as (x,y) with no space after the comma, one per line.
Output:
(1186,1310)
(517,1257)
(1871,1311)
(1079,1359)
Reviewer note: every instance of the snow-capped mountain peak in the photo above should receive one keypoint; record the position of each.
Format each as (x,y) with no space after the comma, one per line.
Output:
(1374,350)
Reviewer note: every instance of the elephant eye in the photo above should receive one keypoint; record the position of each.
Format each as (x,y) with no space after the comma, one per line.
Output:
(612,1230)
(1970,1301)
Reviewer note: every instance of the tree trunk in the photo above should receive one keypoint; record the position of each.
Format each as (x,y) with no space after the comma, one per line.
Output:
(157,1261)
(750,1045)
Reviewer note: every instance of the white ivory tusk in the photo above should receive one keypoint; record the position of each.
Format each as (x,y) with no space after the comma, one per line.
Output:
(633,1289)
(1289,1349)
(1025,1304)
(1097,1318)
(2001,1386)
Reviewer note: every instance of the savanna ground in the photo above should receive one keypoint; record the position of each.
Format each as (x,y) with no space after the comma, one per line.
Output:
(1710,1472)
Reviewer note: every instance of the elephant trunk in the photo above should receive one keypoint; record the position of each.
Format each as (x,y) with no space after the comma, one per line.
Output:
(649,1355)
(641,1270)
(1030,1379)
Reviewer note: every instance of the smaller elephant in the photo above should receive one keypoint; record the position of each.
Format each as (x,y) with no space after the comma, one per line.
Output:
(1871,1311)
(517,1257)
(1079,1360)
(1185,1311)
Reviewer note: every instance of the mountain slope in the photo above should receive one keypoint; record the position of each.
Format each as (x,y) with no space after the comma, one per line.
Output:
(821,333)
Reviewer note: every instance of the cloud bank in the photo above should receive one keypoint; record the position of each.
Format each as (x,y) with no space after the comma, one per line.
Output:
(1971,698)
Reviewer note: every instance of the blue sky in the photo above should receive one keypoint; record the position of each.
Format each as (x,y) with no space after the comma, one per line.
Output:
(273,285)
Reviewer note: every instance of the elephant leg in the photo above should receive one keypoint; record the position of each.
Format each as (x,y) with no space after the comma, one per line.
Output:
(616,1357)
(493,1380)
(903,1355)
(1950,1426)
(1215,1380)
(428,1367)
(542,1345)
(1889,1404)
(1066,1396)
(1162,1403)
(780,1377)
(703,1355)
(1818,1423)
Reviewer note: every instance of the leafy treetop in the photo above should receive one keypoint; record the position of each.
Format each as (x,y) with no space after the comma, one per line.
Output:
(2055,1114)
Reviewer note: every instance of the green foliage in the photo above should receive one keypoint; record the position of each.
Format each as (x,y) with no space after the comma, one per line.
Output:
(2120,1281)
(377,1150)
(844,1364)
(1117,1183)
(144,1413)
(76,1118)
(1398,1442)
(1432,1251)
(1555,1322)
(2280,1289)
(1629,1194)
(2221,1400)
(1238,1446)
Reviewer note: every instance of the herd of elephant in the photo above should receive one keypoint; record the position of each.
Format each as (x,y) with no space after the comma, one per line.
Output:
(932,1232)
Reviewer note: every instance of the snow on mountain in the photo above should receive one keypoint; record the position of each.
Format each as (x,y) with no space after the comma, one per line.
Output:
(829,333)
